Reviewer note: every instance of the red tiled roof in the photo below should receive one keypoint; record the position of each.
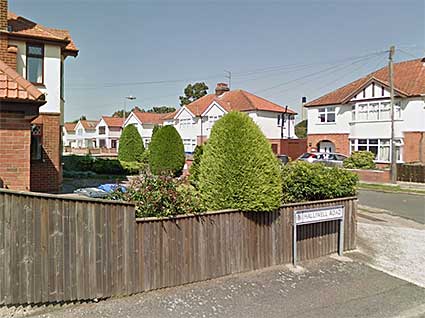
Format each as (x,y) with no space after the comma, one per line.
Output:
(70,127)
(113,121)
(149,118)
(25,27)
(14,87)
(239,100)
(169,115)
(409,80)
(89,124)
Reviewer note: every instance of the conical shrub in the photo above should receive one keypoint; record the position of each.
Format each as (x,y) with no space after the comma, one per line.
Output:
(131,145)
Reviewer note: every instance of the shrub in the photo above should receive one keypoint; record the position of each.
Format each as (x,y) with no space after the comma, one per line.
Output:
(131,145)
(77,163)
(166,152)
(303,181)
(107,166)
(360,160)
(238,168)
(194,168)
(160,196)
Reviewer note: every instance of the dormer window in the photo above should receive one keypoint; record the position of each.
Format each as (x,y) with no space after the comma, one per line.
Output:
(35,63)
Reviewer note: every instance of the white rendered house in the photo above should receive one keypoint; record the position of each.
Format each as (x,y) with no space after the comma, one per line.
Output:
(108,132)
(358,116)
(145,123)
(195,121)
(68,135)
(85,134)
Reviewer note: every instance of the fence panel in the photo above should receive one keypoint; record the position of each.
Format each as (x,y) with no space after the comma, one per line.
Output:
(411,172)
(56,249)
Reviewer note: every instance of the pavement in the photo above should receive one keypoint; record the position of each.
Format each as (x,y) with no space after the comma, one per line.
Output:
(410,206)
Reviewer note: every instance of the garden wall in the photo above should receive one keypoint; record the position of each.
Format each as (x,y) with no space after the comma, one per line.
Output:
(55,248)
(378,176)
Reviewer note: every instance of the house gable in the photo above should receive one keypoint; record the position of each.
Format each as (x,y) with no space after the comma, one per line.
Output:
(214,109)
(372,89)
(184,113)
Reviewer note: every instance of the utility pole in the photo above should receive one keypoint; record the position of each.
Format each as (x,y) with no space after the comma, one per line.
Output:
(130,98)
(229,77)
(393,144)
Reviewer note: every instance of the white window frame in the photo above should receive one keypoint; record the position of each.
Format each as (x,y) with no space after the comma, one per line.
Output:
(326,111)
(185,122)
(382,142)
(381,104)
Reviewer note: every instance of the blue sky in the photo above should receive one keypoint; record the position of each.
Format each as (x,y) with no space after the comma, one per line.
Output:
(280,50)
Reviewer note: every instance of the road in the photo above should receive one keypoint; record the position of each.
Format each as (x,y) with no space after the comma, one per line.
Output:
(409,206)
(327,287)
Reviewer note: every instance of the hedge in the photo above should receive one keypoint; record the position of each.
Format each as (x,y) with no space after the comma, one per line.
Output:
(166,152)
(238,169)
(303,181)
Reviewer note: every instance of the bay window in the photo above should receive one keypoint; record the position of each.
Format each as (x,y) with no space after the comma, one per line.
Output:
(327,114)
(381,148)
(375,111)
(35,63)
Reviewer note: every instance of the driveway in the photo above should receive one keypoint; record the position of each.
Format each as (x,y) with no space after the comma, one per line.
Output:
(409,206)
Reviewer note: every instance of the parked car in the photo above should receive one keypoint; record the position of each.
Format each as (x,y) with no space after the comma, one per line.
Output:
(284,159)
(327,158)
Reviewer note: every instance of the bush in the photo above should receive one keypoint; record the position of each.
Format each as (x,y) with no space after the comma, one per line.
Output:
(194,168)
(131,145)
(77,163)
(160,196)
(360,160)
(76,166)
(166,152)
(107,166)
(303,181)
(238,168)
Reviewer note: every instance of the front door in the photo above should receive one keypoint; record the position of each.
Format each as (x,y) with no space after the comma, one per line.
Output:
(326,146)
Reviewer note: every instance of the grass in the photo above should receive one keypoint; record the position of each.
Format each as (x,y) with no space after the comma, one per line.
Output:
(387,188)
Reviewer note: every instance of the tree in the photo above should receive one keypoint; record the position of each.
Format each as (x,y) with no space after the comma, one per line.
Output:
(194,168)
(161,110)
(131,145)
(155,130)
(238,169)
(166,152)
(83,117)
(301,129)
(193,92)
(120,113)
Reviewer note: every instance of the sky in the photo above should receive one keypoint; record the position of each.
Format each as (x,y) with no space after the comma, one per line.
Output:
(279,50)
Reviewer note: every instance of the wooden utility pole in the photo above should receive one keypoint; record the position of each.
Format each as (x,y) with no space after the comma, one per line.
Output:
(393,143)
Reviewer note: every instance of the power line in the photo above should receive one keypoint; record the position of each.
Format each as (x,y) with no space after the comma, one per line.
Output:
(315,73)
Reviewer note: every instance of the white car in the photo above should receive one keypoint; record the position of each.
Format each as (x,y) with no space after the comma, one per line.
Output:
(327,158)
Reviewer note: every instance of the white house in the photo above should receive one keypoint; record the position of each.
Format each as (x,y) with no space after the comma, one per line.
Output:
(195,121)
(68,135)
(145,122)
(358,116)
(108,132)
(85,134)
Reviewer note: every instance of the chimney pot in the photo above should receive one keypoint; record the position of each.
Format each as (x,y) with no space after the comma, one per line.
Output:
(221,88)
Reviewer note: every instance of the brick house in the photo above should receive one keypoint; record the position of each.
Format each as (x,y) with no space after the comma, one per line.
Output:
(195,121)
(34,56)
(357,116)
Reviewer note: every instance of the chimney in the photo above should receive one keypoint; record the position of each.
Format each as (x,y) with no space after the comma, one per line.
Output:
(303,110)
(221,88)
(3,15)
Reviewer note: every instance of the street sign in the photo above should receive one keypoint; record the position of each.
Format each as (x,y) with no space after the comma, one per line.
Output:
(309,216)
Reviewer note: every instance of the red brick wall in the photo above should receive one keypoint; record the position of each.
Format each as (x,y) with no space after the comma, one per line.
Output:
(379,176)
(7,54)
(3,15)
(46,175)
(15,141)
(290,147)
(341,142)
(414,146)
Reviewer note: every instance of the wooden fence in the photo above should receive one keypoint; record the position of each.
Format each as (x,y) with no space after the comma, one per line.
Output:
(411,172)
(55,249)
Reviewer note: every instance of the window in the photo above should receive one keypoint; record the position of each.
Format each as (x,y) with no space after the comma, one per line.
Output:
(102,143)
(212,120)
(102,130)
(80,132)
(113,144)
(185,122)
(327,114)
(380,147)
(36,142)
(375,111)
(35,64)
